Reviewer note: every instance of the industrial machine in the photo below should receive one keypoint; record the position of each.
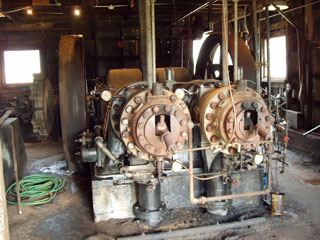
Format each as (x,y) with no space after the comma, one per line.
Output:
(154,144)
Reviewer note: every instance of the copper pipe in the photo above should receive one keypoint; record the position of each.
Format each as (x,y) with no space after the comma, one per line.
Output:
(203,200)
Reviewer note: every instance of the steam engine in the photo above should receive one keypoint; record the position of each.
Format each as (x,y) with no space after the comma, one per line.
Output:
(177,144)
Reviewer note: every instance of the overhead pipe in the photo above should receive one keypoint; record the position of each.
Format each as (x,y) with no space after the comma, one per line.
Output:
(256,45)
(147,32)
(188,14)
(225,42)
(235,58)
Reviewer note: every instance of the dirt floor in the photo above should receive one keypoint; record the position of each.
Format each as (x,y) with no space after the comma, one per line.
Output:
(69,215)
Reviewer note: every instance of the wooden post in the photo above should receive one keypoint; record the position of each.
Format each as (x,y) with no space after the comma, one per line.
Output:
(4,226)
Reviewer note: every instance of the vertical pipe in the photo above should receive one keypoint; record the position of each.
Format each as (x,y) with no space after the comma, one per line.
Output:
(225,42)
(268,55)
(153,41)
(256,45)
(235,60)
(182,52)
(147,38)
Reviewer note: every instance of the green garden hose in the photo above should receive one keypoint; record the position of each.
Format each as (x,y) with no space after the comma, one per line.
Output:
(36,189)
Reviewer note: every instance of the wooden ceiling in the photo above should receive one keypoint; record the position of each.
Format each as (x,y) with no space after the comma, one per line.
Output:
(15,10)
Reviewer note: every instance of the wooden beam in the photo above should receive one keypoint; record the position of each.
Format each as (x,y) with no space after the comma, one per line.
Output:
(5,14)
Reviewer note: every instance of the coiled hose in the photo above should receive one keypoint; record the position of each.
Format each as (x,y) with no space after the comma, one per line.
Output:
(36,189)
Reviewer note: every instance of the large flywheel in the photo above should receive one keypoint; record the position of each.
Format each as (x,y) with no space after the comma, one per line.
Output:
(208,66)
(72,94)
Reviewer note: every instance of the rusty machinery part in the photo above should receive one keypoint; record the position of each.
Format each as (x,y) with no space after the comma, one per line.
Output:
(72,95)
(217,120)
(44,104)
(206,54)
(118,103)
(153,126)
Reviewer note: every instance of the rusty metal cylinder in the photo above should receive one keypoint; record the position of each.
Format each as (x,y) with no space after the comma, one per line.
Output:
(277,203)
(169,74)
(149,196)
(157,89)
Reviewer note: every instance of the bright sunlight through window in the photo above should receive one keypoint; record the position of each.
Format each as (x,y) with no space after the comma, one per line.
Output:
(278,58)
(21,65)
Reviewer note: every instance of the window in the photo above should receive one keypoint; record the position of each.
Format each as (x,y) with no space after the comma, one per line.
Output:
(278,58)
(19,66)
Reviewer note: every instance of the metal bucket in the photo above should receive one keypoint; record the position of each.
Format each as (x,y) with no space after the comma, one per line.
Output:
(277,203)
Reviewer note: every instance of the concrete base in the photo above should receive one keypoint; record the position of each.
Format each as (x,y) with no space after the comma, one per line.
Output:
(114,199)
(6,146)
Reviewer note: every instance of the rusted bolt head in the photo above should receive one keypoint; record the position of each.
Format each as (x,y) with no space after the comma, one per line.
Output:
(145,115)
(125,121)
(209,127)
(177,113)
(129,109)
(190,125)
(173,98)
(182,105)
(230,120)
(221,96)
(156,109)
(140,125)
(138,100)
(214,138)
(183,134)
(214,105)
(130,145)
(183,122)
(167,108)
(125,134)
(209,116)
